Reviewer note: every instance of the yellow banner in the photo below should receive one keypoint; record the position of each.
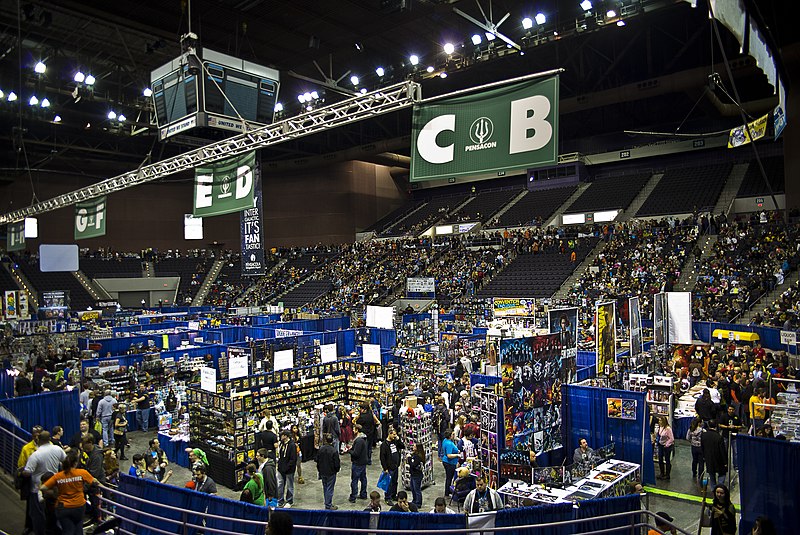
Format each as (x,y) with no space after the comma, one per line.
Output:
(741,135)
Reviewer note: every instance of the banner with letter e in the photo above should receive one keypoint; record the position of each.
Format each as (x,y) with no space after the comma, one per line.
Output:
(90,218)
(509,127)
(224,187)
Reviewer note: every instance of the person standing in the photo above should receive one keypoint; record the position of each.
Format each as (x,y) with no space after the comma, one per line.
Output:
(266,467)
(368,422)
(416,462)
(255,485)
(46,459)
(714,454)
(730,424)
(723,513)
(267,439)
(693,435)
(142,401)
(202,483)
(450,456)
(330,424)
(296,438)
(105,408)
(120,423)
(360,458)
(328,465)
(67,487)
(758,412)
(666,441)
(287,464)
(390,462)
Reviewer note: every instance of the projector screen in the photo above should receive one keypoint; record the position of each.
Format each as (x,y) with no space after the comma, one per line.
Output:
(381,317)
(328,352)
(284,360)
(58,257)
(371,353)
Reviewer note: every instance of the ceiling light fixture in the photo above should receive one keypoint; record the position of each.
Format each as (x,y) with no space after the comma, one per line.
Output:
(540,19)
(354,80)
(379,71)
(40,67)
(586,5)
(611,14)
(12,96)
(476,39)
(79,77)
(90,79)
(121,118)
(33,101)
(414,59)
(449,48)
(490,36)
(112,115)
(57,119)
(147,92)
(527,23)
(45,103)
(620,23)
(278,107)
(429,69)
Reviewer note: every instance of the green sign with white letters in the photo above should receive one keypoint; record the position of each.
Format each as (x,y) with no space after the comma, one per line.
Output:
(90,218)
(225,186)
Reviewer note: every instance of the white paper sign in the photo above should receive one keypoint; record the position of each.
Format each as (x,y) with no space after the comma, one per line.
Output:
(420,285)
(371,353)
(238,363)
(381,317)
(208,379)
(284,360)
(194,325)
(284,333)
(788,338)
(328,352)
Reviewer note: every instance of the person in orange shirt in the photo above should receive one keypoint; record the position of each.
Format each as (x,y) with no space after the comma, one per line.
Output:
(663,523)
(67,487)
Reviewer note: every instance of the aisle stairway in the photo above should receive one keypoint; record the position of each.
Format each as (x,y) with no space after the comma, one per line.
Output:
(211,276)
(95,290)
(731,189)
(638,201)
(149,269)
(767,299)
(508,206)
(563,291)
(556,219)
(689,273)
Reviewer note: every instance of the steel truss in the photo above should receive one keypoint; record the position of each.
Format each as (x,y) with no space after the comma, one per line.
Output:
(373,104)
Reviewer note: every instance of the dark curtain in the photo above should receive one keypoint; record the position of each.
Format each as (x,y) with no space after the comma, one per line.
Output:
(524,516)
(48,409)
(768,483)
(585,415)
(598,509)
(356,520)
(398,520)
(387,338)
(6,384)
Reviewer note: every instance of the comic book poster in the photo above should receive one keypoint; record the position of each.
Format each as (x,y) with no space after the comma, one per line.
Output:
(605,319)
(635,327)
(532,373)
(565,322)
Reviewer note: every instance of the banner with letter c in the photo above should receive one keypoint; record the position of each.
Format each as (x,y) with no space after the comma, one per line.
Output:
(510,127)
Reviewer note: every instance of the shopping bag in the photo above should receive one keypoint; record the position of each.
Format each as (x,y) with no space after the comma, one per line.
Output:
(384,481)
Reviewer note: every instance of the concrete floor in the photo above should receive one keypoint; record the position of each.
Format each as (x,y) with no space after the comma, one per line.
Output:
(309,496)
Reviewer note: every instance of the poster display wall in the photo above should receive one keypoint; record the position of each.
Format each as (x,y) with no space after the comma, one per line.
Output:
(533,371)
(635,315)
(605,320)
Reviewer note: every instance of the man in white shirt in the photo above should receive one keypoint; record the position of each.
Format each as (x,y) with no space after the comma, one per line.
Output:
(46,459)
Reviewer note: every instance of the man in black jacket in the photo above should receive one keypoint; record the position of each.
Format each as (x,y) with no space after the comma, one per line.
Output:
(366,419)
(266,465)
(715,454)
(287,464)
(268,440)
(359,456)
(390,462)
(328,465)
(330,424)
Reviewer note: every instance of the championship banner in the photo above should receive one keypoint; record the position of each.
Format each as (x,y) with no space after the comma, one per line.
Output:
(606,350)
(513,306)
(252,233)
(511,127)
(90,218)
(10,307)
(635,316)
(424,285)
(224,187)
(741,134)
(15,236)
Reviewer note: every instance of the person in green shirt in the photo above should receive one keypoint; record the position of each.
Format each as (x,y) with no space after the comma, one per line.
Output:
(255,485)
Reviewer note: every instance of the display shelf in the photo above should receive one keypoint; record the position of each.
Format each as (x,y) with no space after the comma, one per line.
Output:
(785,418)
(417,429)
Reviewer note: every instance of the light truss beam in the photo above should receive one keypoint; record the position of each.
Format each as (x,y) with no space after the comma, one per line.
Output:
(366,106)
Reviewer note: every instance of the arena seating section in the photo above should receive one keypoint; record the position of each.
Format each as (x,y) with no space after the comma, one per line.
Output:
(80,299)
(431,212)
(106,268)
(306,292)
(609,193)
(686,190)
(189,269)
(484,205)
(6,281)
(393,217)
(534,206)
(753,183)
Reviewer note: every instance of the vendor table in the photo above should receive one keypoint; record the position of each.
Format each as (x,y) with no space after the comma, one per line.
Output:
(175,449)
(608,479)
(133,426)
(681,426)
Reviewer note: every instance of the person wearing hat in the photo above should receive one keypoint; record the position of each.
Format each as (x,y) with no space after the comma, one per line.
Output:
(663,523)
(197,457)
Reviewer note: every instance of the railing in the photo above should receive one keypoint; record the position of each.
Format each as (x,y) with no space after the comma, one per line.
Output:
(636,522)
(12,439)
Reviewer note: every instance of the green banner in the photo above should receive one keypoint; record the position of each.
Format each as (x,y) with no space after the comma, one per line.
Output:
(224,187)
(90,218)
(15,236)
(512,127)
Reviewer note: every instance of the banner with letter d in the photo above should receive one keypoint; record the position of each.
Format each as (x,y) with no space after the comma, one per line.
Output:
(510,127)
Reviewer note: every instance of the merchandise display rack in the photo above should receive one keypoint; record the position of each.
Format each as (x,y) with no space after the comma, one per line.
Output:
(417,430)
(488,450)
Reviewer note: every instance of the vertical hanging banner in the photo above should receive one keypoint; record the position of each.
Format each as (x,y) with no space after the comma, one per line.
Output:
(679,314)
(635,317)
(90,218)
(224,187)
(659,319)
(22,304)
(252,231)
(15,236)
(510,127)
(10,304)
(605,322)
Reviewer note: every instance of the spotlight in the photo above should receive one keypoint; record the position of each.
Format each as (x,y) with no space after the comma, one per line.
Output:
(121,118)
(301,98)
(527,23)
(414,59)
(33,101)
(363,90)
(429,69)
(611,14)
(620,23)
(540,19)
(476,39)
(45,103)
(12,96)
(112,115)
(490,36)
(57,119)
(147,92)
(88,126)
(39,68)
(354,80)
(314,95)
(79,77)
(449,48)
(307,96)
(2,94)
(278,107)
(89,79)
(586,5)
(443,75)
(379,71)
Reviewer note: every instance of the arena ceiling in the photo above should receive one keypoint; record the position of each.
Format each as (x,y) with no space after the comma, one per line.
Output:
(650,73)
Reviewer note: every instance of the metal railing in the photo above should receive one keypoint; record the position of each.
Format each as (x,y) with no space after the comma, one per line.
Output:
(12,439)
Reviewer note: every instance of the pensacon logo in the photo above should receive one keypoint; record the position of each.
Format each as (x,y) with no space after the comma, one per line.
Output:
(480,132)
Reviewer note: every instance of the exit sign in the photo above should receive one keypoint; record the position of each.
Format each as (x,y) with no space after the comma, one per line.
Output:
(760,201)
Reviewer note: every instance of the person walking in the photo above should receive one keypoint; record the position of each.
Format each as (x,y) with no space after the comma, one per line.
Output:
(391,449)
(450,456)
(46,459)
(714,454)
(287,464)
(120,423)
(693,435)
(368,424)
(415,464)
(105,408)
(360,458)
(67,487)
(665,441)
(328,465)
(296,438)
(723,513)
